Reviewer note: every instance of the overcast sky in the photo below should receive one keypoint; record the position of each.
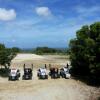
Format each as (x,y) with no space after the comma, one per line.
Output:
(32,23)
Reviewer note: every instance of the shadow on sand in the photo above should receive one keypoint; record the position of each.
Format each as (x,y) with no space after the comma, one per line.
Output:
(89,80)
(4,72)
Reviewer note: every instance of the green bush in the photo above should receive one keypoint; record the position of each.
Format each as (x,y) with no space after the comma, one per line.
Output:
(4,72)
(6,55)
(46,50)
(85,51)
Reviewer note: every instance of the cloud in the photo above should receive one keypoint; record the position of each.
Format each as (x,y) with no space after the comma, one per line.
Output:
(43,11)
(6,15)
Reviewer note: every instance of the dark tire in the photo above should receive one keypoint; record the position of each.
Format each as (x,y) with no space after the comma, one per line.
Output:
(52,76)
(46,76)
(9,79)
(37,74)
(31,78)
(19,75)
(62,76)
(58,75)
(49,73)
(17,78)
(39,77)
(65,77)
(23,78)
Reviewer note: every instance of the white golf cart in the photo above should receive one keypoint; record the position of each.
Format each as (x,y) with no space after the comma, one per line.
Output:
(64,73)
(14,74)
(42,73)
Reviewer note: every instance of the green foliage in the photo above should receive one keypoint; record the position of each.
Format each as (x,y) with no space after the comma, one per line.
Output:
(4,72)
(16,50)
(46,50)
(85,51)
(6,55)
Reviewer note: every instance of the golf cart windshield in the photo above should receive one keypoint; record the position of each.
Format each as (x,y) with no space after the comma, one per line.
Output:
(27,71)
(13,72)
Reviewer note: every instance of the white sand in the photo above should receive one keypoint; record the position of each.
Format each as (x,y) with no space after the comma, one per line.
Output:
(23,57)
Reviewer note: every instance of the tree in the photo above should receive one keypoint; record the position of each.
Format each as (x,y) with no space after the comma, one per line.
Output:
(15,50)
(6,55)
(85,51)
(41,50)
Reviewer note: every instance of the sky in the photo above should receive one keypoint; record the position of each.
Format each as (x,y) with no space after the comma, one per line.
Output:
(52,23)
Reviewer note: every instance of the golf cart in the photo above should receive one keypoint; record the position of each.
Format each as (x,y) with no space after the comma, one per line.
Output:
(64,73)
(42,73)
(54,73)
(14,74)
(27,73)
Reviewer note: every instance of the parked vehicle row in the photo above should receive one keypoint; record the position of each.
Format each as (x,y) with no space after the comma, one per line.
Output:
(42,73)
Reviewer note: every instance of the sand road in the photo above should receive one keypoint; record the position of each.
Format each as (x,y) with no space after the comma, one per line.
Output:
(51,89)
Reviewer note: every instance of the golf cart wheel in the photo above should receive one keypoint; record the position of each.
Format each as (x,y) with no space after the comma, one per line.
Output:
(9,79)
(31,78)
(63,76)
(58,75)
(39,77)
(23,78)
(46,76)
(52,76)
(17,79)
(37,74)
(55,76)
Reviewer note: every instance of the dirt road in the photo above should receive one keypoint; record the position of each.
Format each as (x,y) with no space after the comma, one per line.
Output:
(51,89)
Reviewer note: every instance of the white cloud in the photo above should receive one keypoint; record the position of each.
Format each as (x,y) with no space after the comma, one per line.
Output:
(43,11)
(6,15)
